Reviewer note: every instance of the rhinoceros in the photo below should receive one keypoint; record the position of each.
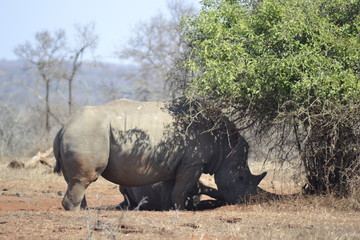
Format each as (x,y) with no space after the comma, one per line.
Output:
(133,143)
(158,197)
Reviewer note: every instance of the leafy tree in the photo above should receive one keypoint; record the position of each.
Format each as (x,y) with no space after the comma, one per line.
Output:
(293,65)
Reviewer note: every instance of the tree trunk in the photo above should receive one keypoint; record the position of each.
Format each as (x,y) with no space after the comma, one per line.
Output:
(70,96)
(47,121)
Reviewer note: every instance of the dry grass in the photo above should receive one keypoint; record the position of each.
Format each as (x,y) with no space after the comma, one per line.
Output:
(248,222)
(36,214)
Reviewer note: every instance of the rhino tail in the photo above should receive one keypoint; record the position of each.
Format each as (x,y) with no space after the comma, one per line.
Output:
(56,150)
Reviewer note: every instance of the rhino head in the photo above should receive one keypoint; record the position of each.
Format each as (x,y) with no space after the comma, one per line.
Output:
(234,179)
(237,185)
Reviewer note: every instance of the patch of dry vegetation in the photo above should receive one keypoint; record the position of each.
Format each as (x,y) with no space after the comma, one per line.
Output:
(297,219)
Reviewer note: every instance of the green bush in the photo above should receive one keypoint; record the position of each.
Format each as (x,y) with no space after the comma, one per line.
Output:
(292,63)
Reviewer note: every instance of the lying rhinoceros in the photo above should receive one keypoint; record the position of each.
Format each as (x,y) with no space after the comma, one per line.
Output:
(157,197)
(134,143)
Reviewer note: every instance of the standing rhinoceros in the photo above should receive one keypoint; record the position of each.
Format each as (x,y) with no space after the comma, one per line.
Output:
(140,143)
(158,197)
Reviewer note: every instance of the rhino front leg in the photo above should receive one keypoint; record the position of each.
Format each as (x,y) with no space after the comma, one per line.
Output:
(209,191)
(185,180)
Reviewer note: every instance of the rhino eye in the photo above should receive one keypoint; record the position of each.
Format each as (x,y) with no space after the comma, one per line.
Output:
(241,178)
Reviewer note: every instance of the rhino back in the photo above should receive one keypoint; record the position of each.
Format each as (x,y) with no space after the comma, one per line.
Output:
(150,117)
(142,148)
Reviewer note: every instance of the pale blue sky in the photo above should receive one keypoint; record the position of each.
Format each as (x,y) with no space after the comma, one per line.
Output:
(114,21)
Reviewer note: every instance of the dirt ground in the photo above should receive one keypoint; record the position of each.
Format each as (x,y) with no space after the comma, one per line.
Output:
(30,208)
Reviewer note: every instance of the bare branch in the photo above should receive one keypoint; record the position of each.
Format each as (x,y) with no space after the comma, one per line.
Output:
(154,46)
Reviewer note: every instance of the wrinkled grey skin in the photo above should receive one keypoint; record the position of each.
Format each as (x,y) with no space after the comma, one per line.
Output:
(140,143)
(158,196)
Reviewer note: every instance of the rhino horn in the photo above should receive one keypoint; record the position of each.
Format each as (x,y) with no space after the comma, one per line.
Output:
(257,178)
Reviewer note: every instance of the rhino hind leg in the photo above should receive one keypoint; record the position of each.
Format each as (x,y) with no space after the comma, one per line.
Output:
(74,198)
(129,202)
(80,170)
(77,182)
(83,203)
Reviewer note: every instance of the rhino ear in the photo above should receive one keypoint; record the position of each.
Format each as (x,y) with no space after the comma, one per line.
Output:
(258,178)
